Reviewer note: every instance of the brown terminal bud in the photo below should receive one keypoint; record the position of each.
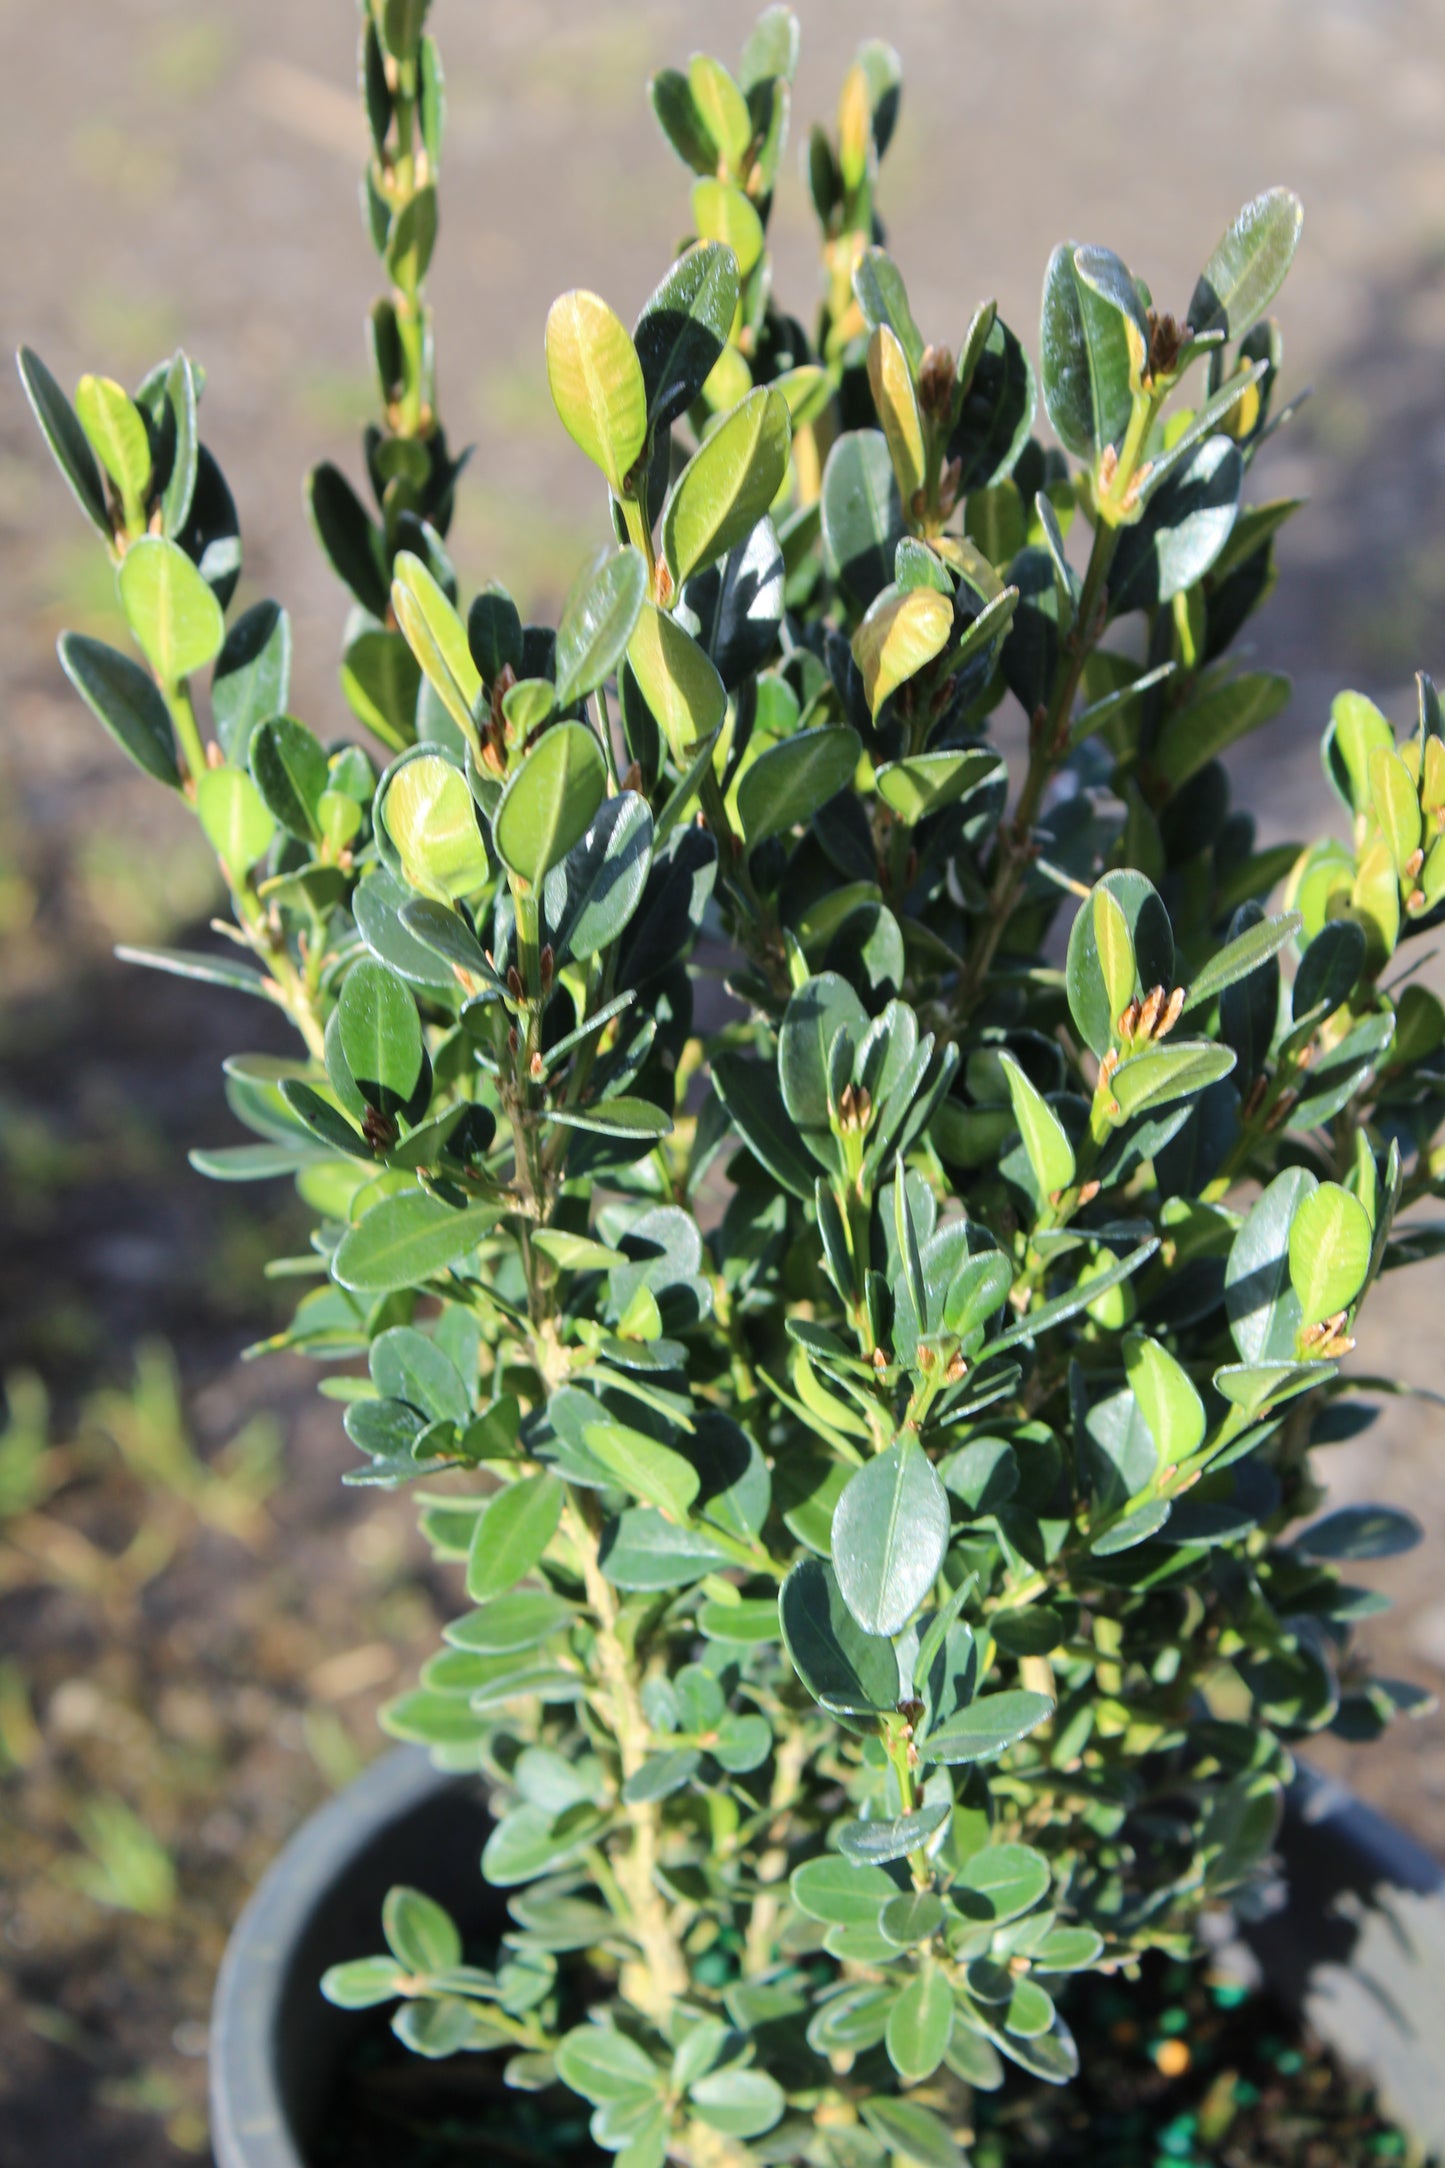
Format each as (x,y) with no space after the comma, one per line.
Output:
(935,383)
(1167,340)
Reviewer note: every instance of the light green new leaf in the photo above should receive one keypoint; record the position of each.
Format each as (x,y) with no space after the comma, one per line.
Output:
(596,383)
(678,681)
(1397,806)
(117,432)
(1330,1239)
(237,824)
(438,639)
(1166,1395)
(550,801)
(431,818)
(890,379)
(724,214)
(175,617)
(728,484)
(902,633)
(890,1531)
(927,782)
(1051,1155)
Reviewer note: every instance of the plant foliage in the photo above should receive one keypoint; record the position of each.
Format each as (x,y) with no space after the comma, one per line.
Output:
(868,1433)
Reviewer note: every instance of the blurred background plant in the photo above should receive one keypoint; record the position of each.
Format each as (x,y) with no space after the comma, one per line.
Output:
(179,1682)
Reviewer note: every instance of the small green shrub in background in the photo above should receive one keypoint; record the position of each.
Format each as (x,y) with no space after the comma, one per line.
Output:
(873,1428)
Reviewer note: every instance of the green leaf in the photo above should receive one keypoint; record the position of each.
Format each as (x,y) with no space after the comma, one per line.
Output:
(592,894)
(723,214)
(381,679)
(511,1536)
(850,1671)
(862,514)
(1188,522)
(597,384)
(883,299)
(741,2103)
(904,631)
(979,1288)
(895,401)
(1162,1074)
(653,1472)
(1247,953)
(550,801)
(1096,975)
(678,681)
(671,98)
(69,445)
(919,2025)
(926,782)
(1008,1878)
(420,1934)
(1329,969)
(876,1842)
(1353,1534)
(816,1012)
(252,678)
(437,638)
(630,1118)
(890,1531)
(348,537)
(1090,341)
(1078,1298)
(684,327)
(793,780)
(987,1726)
(1166,1396)
(1050,1154)
(754,1106)
(174,615)
(912,2133)
(530,1842)
(431,818)
(1397,807)
(117,433)
(1264,1311)
(841,1893)
(1330,1240)
(237,825)
(602,2064)
(181,395)
(1199,731)
(125,701)
(380,1034)
(289,769)
(728,484)
(597,624)
(406,1239)
(1248,267)
(361,1984)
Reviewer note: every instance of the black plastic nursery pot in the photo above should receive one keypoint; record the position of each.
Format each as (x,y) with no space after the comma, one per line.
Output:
(1356,1948)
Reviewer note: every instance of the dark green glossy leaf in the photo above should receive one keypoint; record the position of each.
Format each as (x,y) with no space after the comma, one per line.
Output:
(1249,266)
(791,780)
(683,329)
(252,678)
(850,1671)
(121,696)
(67,440)
(597,624)
(890,1531)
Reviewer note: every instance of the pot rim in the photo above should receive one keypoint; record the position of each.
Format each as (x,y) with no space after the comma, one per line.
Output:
(249,2117)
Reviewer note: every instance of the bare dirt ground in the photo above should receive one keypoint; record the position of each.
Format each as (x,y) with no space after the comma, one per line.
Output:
(184,171)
